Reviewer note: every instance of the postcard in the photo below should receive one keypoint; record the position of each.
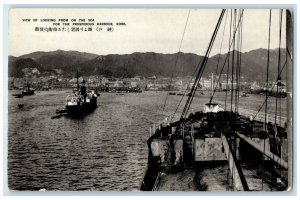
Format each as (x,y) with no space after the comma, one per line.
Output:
(150,99)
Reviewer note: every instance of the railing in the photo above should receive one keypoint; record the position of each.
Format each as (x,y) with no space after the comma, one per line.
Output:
(261,116)
(73,98)
(281,120)
(156,181)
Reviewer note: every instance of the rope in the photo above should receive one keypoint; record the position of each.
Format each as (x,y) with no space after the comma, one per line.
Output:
(181,99)
(289,54)
(279,56)
(196,69)
(227,56)
(237,70)
(268,67)
(228,60)
(232,62)
(240,60)
(267,85)
(177,57)
(238,67)
(202,66)
(221,43)
(271,89)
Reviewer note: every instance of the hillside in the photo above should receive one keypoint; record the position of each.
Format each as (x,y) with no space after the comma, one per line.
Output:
(254,64)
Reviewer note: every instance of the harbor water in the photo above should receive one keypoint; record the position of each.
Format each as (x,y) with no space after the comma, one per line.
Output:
(104,151)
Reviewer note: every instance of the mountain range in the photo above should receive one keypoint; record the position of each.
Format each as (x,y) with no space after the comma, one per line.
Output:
(253,64)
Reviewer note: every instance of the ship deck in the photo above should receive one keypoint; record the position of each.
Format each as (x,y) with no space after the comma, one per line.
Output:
(180,181)
(213,158)
(199,179)
(214,178)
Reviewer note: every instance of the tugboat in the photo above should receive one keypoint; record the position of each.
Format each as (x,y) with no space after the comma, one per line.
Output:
(218,149)
(82,101)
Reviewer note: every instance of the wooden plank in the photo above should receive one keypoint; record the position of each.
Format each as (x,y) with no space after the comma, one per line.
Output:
(239,181)
(269,154)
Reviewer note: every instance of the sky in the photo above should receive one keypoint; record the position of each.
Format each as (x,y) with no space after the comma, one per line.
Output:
(146,30)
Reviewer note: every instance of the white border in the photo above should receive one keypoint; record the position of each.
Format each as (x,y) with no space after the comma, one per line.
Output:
(136,3)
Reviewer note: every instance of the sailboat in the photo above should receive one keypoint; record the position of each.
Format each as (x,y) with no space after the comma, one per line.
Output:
(216,147)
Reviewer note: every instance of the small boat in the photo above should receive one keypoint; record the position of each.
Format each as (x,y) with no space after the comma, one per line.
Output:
(172,93)
(58,111)
(28,91)
(57,116)
(244,95)
(18,95)
(20,105)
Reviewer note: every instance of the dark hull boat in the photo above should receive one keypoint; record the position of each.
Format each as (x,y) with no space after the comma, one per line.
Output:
(78,105)
(217,149)
(18,95)
(81,102)
(28,91)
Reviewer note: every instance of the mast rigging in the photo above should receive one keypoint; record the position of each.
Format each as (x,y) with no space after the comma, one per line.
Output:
(202,66)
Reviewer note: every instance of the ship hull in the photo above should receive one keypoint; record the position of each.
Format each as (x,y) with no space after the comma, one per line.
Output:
(82,109)
(28,92)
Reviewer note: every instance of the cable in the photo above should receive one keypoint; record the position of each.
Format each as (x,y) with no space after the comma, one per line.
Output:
(268,67)
(228,60)
(176,61)
(202,66)
(221,43)
(268,96)
(238,66)
(196,68)
(267,85)
(240,60)
(279,57)
(228,54)
(232,62)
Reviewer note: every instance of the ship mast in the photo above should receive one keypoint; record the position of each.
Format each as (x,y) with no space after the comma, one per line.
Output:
(212,84)
(77,77)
